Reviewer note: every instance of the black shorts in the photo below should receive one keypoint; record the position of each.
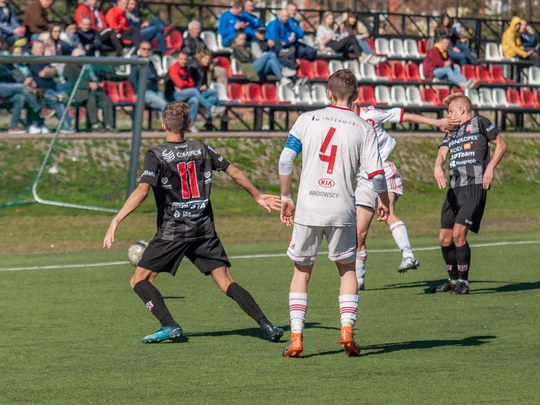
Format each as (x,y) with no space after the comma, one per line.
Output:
(464,206)
(166,255)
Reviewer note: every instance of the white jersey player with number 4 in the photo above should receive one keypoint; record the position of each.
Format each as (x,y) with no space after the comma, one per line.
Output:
(335,145)
(366,197)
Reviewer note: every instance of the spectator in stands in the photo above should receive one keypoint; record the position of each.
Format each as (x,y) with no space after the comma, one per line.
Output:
(439,65)
(55,45)
(254,68)
(107,35)
(23,68)
(88,37)
(253,22)
(512,46)
(201,71)
(529,39)
(90,94)
(70,38)
(150,29)
(117,20)
(350,27)
(16,94)
(55,95)
(10,28)
(186,91)
(35,17)
(231,23)
(152,96)
(193,45)
(327,38)
(261,46)
(459,51)
(283,37)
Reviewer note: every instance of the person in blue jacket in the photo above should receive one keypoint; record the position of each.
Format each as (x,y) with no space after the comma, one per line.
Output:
(529,40)
(282,37)
(254,22)
(231,23)
(10,28)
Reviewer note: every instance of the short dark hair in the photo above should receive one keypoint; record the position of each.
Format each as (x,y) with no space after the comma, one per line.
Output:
(175,117)
(343,85)
(238,4)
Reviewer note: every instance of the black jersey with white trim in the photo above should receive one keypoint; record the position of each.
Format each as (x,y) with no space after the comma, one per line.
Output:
(180,174)
(469,151)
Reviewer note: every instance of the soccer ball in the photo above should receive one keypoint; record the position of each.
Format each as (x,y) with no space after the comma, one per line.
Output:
(135,252)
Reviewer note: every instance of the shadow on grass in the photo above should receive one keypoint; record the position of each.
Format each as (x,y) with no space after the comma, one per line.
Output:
(508,288)
(429,286)
(174,297)
(425,344)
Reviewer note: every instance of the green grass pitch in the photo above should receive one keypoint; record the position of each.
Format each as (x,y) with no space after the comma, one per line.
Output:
(72,335)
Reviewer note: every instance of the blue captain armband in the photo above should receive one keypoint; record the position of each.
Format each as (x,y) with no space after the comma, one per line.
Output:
(294,144)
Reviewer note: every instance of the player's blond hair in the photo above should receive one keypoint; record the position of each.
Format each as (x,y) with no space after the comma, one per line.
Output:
(175,117)
(461,98)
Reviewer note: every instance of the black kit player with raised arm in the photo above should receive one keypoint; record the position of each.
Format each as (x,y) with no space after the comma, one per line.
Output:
(180,174)
(471,174)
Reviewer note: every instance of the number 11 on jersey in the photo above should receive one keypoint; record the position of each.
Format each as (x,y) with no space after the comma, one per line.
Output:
(331,158)
(188,175)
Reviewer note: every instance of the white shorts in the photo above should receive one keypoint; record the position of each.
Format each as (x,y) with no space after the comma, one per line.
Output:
(306,242)
(367,197)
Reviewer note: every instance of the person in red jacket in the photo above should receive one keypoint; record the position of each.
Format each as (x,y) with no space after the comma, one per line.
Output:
(185,90)
(107,35)
(117,20)
(438,65)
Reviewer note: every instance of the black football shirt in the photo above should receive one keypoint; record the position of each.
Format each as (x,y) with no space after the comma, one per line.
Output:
(180,174)
(469,151)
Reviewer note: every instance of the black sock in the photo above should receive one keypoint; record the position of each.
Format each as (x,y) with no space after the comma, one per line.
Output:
(463,255)
(154,301)
(450,258)
(246,302)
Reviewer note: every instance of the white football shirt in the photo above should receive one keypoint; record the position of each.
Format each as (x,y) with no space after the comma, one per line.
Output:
(335,144)
(377,118)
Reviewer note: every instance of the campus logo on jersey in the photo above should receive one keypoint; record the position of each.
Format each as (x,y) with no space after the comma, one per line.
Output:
(168,155)
(327,183)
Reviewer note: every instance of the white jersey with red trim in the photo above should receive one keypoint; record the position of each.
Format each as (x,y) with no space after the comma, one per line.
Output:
(377,118)
(335,144)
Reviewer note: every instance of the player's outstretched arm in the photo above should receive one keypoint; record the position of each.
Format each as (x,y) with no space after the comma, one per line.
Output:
(131,204)
(500,149)
(438,170)
(268,202)
(445,124)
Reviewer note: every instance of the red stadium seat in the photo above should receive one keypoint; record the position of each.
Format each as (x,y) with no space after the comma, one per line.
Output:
(440,95)
(127,95)
(225,63)
(456,90)
(482,74)
(536,97)
(497,76)
(412,73)
(305,69)
(512,96)
(234,91)
(154,43)
(371,44)
(252,93)
(110,89)
(366,96)
(383,70)
(468,72)
(429,96)
(398,72)
(422,46)
(174,41)
(269,94)
(320,70)
(526,98)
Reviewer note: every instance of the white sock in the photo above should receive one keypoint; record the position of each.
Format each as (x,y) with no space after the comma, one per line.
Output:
(464,281)
(298,303)
(348,307)
(399,232)
(361,258)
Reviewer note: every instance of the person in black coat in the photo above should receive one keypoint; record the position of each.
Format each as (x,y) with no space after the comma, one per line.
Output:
(89,38)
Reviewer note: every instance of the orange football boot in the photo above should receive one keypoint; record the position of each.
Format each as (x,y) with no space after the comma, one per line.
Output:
(347,341)
(295,346)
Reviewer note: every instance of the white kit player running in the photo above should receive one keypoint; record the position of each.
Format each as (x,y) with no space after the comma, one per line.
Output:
(366,197)
(335,145)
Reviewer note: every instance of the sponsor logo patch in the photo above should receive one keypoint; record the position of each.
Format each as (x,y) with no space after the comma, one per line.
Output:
(150,305)
(327,183)
(164,180)
(467,146)
(168,155)
(148,173)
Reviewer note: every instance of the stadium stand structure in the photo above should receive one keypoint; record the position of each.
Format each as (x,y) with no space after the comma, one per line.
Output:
(509,87)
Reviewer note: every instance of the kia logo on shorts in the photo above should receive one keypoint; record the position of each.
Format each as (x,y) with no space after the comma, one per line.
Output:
(327,183)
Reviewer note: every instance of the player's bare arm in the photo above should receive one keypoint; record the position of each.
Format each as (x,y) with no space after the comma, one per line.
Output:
(445,124)
(500,149)
(131,204)
(438,170)
(287,204)
(383,210)
(268,202)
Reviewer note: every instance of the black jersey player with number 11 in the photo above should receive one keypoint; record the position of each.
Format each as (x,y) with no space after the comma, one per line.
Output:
(180,174)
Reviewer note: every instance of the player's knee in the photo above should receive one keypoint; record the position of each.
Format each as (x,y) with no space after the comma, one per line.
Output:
(459,238)
(445,239)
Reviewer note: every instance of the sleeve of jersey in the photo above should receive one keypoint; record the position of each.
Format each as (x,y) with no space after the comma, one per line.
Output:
(151,169)
(394,115)
(487,128)
(371,160)
(292,148)
(445,141)
(219,163)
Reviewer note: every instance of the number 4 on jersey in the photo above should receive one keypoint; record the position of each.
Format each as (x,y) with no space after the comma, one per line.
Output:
(331,158)
(190,187)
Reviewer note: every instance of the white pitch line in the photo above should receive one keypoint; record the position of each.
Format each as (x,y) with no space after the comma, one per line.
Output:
(267,256)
